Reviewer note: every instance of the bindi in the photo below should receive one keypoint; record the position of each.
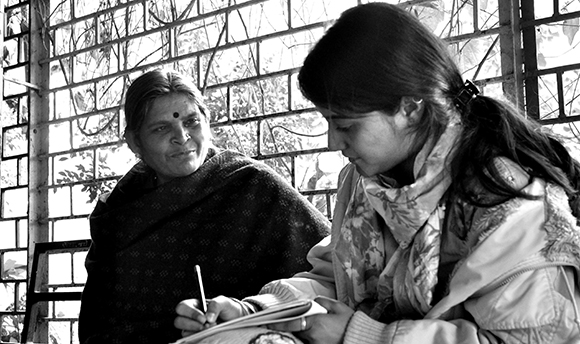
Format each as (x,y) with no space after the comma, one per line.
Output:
(175,114)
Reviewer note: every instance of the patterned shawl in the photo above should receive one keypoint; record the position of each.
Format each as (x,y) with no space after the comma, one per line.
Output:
(235,217)
(390,237)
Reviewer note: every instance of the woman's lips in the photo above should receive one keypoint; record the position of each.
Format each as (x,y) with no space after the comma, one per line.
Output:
(182,153)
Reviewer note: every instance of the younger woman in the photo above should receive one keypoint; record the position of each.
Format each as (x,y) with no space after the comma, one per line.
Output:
(453,222)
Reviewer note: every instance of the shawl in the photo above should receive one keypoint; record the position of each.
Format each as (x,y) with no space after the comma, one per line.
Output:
(389,243)
(235,217)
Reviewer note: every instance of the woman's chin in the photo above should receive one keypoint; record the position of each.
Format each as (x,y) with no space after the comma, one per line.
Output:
(182,171)
(361,171)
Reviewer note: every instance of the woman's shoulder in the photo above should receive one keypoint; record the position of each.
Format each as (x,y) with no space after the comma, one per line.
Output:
(231,156)
(138,180)
(235,163)
(511,172)
(348,175)
(506,172)
(482,209)
(548,200)
(225,159)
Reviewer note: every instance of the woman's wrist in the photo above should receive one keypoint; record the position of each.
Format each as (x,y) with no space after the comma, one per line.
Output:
(246,307)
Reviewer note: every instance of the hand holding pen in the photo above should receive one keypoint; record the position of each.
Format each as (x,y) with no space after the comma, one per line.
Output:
(196,315)
(192,315)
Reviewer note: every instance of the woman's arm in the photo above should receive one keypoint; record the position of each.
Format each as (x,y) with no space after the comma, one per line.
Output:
(533,308)
(319,281)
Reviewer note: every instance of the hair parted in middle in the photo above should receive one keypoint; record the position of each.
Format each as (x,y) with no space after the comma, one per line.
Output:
(154,84)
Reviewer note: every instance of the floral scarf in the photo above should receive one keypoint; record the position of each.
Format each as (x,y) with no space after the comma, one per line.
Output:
(396,263)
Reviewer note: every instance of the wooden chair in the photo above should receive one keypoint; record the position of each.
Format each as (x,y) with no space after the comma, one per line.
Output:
(37,294)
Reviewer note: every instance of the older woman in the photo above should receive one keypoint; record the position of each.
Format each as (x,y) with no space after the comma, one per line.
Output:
(185,204)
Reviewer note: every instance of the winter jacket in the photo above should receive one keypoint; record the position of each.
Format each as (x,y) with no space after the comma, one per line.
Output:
(508,273)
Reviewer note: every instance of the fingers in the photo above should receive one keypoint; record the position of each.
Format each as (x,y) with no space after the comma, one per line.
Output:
(303,324)
(223,308)
(214,308)
(186,333)
(297,325)
(189,316)
(333,306)
(189,309)
(320,328)
(188,324)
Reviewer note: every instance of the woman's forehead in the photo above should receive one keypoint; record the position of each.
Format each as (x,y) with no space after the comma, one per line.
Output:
(174,104)
(171,107)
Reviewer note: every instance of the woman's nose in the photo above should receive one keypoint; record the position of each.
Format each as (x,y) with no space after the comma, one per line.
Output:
(335,142)
(180,135)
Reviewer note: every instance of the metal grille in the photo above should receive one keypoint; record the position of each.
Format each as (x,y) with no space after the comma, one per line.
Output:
(67,65)
(552,66)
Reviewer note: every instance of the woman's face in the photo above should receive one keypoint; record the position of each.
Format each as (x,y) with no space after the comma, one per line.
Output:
(174,138)
(376,142)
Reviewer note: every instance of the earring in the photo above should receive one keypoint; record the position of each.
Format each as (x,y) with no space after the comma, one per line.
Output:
(417,100)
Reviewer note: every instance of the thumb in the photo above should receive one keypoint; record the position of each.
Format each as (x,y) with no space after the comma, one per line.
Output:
(331,305)
(223,308)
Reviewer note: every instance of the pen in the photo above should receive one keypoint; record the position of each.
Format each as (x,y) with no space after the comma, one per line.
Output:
(201,290)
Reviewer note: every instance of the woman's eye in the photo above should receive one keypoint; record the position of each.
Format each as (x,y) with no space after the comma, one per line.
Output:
(160,129)
(191,122)
(342,126)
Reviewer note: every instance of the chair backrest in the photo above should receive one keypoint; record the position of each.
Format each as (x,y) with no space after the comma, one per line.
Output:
(38,291)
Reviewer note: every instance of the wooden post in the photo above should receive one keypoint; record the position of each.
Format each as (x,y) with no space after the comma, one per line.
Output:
(511,52)
(38,148)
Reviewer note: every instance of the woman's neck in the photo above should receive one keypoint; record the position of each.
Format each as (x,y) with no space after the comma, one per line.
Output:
(402,174)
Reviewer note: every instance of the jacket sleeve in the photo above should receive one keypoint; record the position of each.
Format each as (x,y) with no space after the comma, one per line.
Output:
(534,308)
(364,330)
(319,281)
(287,224)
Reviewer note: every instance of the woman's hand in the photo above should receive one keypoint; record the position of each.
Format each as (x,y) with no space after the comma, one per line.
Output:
(322,328)
(191,319)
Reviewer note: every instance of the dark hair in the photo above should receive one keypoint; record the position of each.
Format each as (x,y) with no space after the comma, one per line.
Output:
(377,53)
(152,85)
(374,55)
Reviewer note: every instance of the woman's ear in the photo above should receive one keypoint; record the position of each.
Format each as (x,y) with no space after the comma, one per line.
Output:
(412,108)
(133,142)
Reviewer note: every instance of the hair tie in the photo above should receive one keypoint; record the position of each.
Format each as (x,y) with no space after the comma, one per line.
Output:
(466,94)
